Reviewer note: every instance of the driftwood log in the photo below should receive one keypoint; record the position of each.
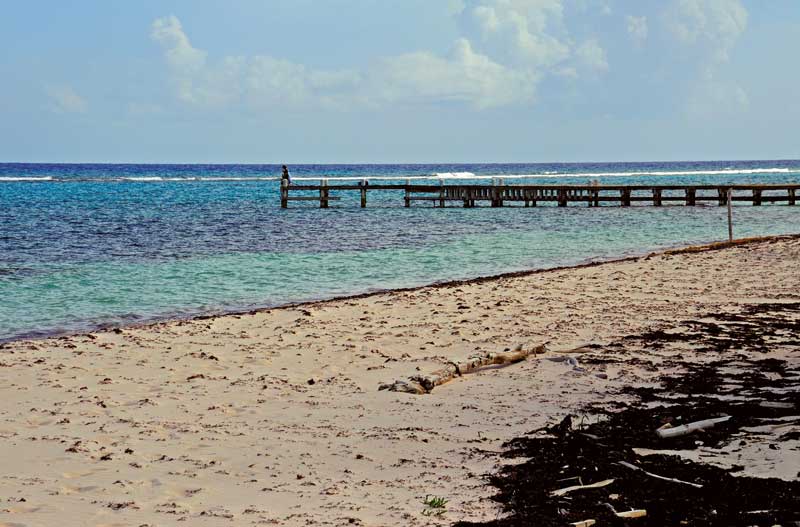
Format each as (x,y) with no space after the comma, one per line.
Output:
(422,384)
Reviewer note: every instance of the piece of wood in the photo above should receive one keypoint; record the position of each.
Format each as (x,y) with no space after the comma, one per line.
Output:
(636,513)
(625,197)
(567,490)
(363,185)
(690,428)
(584,523)
(730,216)
(422,384)
(691,197)
(310,198)
(657,197)
(656,476)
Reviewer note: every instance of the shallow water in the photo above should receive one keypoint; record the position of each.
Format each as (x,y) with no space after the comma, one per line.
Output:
(83,246)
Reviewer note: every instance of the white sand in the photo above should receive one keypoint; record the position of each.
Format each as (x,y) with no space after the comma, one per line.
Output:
(214,422)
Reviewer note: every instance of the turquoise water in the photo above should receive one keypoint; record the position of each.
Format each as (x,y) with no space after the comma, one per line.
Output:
(87,248)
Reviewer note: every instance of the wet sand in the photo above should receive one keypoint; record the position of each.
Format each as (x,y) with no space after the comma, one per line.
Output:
(275,417)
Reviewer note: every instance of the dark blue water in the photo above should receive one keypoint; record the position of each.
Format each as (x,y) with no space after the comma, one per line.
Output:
(89,245)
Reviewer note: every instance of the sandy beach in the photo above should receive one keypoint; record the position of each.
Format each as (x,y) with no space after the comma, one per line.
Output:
(275,417)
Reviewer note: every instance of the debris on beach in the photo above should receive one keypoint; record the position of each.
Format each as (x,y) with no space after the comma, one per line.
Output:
(673,452)
(422,384)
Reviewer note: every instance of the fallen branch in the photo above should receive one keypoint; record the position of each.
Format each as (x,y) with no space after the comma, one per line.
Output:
(422,384)
(643,471)
(599,484)
(690,428)
(628,515)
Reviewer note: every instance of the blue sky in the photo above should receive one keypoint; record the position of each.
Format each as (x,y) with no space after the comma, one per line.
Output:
(337,81)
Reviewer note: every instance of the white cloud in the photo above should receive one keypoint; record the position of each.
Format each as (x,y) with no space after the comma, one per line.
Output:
(711,28)
(518,32)
(637,28)
(465,76)
(64,99)
(592,56)
(507,47)
(180,53)
(715,25)
(274,82)
(259,81)
(194,80)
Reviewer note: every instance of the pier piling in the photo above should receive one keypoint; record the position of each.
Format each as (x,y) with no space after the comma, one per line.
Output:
(323,194)
(363,184)
(690,197)
(284,193)
(657,197)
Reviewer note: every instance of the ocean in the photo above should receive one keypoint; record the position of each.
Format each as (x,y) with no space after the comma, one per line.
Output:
(84,246)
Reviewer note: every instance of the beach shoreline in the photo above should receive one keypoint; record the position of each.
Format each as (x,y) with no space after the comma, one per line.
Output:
(274,416)
(166,319)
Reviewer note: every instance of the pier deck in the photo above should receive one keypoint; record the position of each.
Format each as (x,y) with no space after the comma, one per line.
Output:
(499,195)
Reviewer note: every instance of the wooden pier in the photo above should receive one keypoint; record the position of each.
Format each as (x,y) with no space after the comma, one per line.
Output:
(499,194)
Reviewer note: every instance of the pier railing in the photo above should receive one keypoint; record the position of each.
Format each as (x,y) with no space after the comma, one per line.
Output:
(499,194)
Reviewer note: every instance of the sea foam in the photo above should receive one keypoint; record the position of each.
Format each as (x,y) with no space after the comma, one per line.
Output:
(25,178)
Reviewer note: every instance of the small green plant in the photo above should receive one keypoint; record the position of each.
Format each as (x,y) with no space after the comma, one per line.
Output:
(434,505)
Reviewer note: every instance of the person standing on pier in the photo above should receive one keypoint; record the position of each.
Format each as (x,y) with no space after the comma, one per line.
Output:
(285,176)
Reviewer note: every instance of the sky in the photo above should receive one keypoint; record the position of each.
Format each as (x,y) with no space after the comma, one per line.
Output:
(398,81)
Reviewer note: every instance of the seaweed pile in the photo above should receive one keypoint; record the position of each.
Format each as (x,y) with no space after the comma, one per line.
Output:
(723,374)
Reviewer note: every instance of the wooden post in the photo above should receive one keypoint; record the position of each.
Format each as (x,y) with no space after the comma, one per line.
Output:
(363,184)
(284,193)
(756,196)
(562,197)
(791,196)
(323,194)
(657,197)
(594,194)
(469,198)
(441,193)
(625,197)
(730,215)
(722,194)
(408,193)
(500,192)
(690,197)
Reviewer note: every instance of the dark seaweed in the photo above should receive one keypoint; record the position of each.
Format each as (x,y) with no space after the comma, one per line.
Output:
(731,383)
